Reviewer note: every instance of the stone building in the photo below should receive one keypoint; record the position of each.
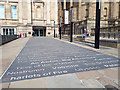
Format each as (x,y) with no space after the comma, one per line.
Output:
(28,16)
(38,16)
(84,13)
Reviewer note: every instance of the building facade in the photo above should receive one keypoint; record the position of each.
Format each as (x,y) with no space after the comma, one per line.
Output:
(28,16)
(84,13)
(38,16)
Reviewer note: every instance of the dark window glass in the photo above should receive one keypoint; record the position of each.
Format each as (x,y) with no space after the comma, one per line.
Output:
(10,31)
(6,31)
(3,31)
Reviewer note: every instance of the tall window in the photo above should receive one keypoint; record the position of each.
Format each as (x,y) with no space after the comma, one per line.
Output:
(2,11)
(14,12)
(4,32)
(8,31)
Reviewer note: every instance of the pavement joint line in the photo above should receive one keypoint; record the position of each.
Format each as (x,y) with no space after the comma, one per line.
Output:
(86,47)
(100,84)
(13,61)
(83,83)
(111,80)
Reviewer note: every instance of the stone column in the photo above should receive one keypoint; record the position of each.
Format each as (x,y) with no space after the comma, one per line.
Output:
(114,9)
(20,11)
(64,4)
(15,31)
(33,8)
(29,11)
(79,11)
(1,30)
(56,18)
(48,12)
(56,12)
(102,10)
(71,3)
(110,10)
(8,11)
(45,10)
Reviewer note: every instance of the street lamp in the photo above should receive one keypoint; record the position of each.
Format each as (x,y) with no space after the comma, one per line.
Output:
(60,27)
(97,28)
(54,29)
(71,30)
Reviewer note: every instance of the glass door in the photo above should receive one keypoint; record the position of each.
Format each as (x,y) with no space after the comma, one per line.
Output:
(41,32)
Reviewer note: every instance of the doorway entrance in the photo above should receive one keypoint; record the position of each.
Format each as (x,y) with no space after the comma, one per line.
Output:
(39,31)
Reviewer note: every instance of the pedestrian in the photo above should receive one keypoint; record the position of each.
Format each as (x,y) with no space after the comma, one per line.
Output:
(85,34)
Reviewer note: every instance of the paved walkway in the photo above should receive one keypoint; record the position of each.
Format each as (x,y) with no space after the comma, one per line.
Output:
(10,51)
(60,58)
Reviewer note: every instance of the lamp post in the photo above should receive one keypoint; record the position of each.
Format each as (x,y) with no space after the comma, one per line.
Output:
(71,30)
(54,29)
(97,28)
(60,28)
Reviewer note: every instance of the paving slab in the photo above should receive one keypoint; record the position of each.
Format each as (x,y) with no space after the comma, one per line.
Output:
(106,81)
(110,73)
(34,83)
(110,51)
(89,75)
(103,49)
(64,81)
(8,53)
(92,83)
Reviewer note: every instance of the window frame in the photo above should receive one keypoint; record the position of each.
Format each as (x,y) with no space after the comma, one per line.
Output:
(4,11)
(7,30)
(16,12)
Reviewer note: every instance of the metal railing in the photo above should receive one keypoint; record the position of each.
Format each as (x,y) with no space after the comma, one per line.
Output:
(7,38)
(65,29)
(80,26)
(108,32)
